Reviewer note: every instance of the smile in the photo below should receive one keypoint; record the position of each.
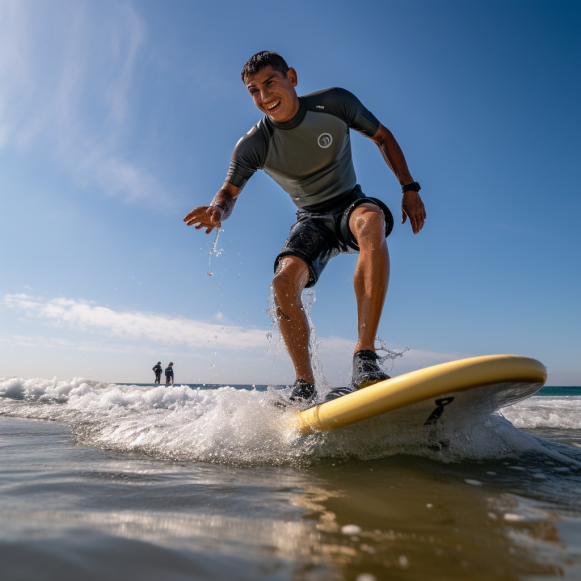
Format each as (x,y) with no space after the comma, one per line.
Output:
(273,106)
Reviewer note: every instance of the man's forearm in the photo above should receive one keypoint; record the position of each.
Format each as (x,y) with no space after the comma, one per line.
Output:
(394,158)
(225,201)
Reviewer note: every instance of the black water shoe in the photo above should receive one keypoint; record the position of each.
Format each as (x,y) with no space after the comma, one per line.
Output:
(366,371)
(302,393)
(339,392)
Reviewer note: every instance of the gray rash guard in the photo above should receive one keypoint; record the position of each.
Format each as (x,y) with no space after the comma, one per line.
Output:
(310,155)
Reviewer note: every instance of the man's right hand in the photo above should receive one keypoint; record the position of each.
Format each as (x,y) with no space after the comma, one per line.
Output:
(208,217)
(212,216)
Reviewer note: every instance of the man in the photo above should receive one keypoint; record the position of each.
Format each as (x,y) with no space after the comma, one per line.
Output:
(157,371)
(169,374)
(303,143)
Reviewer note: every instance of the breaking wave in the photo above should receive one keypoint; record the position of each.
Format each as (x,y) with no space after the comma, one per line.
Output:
(240,426)
(546,412)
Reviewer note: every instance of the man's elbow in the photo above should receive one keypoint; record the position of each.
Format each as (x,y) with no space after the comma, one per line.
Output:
(383,136)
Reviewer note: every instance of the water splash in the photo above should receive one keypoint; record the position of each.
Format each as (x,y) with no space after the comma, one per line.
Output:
(308,299)
(390,356)
(274,332)
(321,382)
(214,251)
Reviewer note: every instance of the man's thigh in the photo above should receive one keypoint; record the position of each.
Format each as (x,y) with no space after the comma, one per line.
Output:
(311,242)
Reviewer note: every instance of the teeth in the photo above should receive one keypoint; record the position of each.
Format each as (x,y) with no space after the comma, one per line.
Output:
(273,106)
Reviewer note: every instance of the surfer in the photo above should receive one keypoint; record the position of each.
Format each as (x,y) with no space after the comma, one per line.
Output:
(303,143)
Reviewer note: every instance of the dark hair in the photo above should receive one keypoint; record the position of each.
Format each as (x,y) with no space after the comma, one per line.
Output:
(261,60)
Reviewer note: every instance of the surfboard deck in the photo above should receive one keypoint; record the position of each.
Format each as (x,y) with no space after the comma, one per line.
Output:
(424,396)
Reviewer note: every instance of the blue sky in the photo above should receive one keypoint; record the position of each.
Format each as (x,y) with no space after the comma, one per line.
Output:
(117,118)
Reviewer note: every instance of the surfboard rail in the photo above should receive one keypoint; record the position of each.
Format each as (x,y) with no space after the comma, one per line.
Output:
(420,385)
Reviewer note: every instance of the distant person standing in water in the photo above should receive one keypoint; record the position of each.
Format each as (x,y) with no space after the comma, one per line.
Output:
(157,371)
(303,143)
(169,374)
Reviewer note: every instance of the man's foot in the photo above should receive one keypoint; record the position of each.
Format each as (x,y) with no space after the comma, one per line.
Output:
(339,392)
(302,393)
(366,371)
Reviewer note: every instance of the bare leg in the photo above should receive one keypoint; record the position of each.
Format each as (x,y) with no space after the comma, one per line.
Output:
(289,281)
(372,272)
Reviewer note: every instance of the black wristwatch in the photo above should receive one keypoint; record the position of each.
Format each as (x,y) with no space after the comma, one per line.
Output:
(413,186)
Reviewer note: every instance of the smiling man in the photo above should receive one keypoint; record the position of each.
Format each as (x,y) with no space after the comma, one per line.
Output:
(303,143)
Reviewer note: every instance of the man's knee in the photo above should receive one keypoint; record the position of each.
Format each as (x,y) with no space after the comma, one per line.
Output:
(292,275)
(367,222)
(283,286)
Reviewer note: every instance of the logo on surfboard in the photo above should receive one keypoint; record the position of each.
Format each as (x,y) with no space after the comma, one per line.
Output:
(435,415)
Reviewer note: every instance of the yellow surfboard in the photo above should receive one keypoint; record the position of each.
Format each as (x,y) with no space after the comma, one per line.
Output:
(487,383)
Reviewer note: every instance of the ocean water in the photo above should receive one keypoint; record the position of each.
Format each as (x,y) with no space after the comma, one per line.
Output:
(113,481)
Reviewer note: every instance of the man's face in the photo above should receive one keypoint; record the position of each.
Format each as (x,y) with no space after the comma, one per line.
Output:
(274,93)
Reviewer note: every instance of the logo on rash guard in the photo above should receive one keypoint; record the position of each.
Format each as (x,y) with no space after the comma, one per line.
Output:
(325,139)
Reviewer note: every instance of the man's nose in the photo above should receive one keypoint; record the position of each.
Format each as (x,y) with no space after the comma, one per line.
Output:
(264,94)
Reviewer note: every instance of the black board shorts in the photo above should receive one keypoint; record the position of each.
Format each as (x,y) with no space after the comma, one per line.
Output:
(322,232)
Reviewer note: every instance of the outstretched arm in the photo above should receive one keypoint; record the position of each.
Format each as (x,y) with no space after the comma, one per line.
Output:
(211,216)
(411,203)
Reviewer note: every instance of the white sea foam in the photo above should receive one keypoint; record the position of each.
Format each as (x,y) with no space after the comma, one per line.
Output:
(240,426)
(176,421)
(546,412)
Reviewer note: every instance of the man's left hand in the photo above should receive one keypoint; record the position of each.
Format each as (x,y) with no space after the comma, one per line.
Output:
(413,208)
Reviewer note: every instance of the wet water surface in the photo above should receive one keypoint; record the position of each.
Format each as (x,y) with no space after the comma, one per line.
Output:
(130,483)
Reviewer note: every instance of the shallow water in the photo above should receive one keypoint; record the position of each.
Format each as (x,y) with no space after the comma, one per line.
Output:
(175,483)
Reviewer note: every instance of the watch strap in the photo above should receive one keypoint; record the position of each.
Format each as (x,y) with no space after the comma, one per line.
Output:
(414,186)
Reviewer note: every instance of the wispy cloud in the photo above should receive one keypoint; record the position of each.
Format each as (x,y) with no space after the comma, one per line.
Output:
(64,345)
(155,334)
(86,316)
(66,80)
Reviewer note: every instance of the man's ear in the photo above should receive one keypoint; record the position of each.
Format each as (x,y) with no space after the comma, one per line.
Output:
(292,76)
